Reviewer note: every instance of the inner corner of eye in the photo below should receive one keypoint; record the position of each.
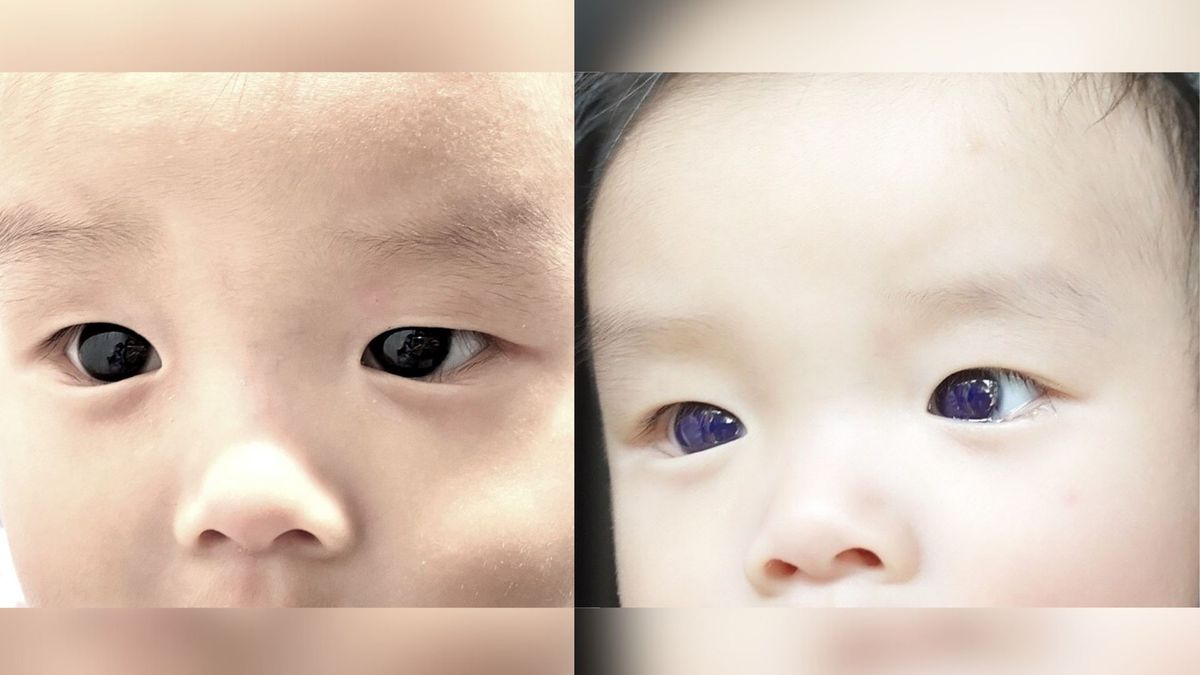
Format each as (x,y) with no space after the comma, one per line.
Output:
(648,425)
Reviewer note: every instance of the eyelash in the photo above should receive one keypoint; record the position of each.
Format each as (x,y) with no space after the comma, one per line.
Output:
(56,346)
(59,336)
(649,424)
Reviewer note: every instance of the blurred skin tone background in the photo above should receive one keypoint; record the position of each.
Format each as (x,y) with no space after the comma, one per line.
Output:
(272,35)
(304,642)
(907,642)
(896,35)
(259,232)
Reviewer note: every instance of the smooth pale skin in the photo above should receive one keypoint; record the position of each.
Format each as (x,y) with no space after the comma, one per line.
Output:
(911,642)
(798,227)
(263,464)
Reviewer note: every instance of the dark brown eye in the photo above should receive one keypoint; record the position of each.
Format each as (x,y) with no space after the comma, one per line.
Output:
(111,353)
(409,352)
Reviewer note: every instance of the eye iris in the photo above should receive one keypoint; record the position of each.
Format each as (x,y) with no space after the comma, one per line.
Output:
(702,427)
(111,353)
(972,397)
(412,352)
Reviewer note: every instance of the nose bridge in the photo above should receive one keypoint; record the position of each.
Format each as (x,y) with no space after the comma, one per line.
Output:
(833,453)
(242,333)
(825,473)
(251,377)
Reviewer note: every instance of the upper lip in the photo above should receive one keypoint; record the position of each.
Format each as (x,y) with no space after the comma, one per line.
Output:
(247,581)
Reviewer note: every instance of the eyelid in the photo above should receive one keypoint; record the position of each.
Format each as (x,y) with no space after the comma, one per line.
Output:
(57,339)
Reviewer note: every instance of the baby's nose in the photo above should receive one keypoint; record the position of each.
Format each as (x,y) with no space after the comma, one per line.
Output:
(261,498)
(819,530)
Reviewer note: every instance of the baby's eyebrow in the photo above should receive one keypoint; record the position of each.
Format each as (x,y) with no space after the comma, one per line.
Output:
(1042,294)
(508,240)
(31,235)
(612,334)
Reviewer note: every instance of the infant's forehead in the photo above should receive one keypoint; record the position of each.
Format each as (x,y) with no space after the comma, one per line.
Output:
(451,118)
(1095,141)
(262,141)
(230,99)
(1030,104)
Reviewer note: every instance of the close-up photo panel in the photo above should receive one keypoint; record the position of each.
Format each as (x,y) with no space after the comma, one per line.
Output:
(887,339)
(279,339)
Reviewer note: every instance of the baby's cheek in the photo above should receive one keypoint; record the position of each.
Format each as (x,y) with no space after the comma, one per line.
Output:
(1065,544)
(496,515)
(83,518)
(506,532)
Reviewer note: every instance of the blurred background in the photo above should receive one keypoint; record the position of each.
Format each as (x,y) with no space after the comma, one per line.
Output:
(327,35)
(904,641)
(891,35)
(295,642)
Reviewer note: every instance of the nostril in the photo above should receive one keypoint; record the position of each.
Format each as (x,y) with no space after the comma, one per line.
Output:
(209,538)
(860,557)
(778,569)
(298,537)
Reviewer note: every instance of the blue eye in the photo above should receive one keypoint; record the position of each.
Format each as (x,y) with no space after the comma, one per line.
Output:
(700,426)
(984,395)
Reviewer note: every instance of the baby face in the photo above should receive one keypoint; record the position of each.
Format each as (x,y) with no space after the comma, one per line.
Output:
(287,340)
(891,340)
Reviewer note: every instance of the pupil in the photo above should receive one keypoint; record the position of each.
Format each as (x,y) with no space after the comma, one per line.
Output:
(110,353)
(703,427)
(412,352)
(972,398)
